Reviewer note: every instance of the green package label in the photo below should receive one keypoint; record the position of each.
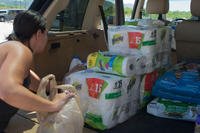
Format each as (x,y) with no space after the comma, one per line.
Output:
(94,121)
(113,95)
(149,43)
(175,106)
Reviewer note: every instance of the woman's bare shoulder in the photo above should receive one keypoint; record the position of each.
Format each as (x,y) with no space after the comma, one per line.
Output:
(15,47)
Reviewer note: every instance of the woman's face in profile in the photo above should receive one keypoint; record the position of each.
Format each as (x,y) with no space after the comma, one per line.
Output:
(41,41)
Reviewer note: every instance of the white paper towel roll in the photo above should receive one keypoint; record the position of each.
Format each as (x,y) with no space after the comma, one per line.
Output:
(112,63)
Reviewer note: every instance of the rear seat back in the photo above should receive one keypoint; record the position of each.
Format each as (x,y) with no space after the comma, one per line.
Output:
(187,36)
(157,6)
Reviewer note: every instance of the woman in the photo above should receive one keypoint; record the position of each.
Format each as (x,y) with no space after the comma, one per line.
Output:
(29,37)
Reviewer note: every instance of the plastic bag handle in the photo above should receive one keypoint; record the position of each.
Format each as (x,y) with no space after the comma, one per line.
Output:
(42,90)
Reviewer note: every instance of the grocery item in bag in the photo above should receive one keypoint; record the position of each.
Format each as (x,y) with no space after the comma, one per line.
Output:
(69,119)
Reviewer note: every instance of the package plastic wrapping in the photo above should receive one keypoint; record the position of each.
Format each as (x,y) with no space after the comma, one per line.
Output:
(118,39)
(129,99)
(69,118)
(172,109)
(166,59)
(180,83)
(125,65)
(163,38)
(146,86)
(152,42)
(152,62)
(129,39)
(110,97)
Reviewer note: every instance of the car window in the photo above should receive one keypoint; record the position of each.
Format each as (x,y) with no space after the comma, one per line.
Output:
(178,9)
(109,11)
(72,17)
(128,8)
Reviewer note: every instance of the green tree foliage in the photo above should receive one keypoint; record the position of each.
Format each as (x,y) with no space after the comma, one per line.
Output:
(109,8)
(171,15)
(127,11)
(178,14)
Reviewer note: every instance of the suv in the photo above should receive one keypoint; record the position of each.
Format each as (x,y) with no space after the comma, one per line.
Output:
(9,14)
(3,14)
(78,28)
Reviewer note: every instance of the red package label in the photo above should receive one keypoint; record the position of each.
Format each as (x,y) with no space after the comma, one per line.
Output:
(94,87)
(135,39)
(150,80)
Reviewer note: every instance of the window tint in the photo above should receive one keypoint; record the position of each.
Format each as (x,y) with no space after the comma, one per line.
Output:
(72,17)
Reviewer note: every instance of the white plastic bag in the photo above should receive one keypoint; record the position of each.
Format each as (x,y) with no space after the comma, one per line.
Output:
(69,119)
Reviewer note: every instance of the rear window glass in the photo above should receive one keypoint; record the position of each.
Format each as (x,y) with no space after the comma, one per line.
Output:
(178,9)
(72,17)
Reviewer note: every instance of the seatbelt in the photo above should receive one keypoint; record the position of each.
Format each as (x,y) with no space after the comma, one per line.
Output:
(105,25)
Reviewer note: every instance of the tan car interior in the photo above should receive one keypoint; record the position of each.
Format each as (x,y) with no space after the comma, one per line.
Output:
(187,41)
(159,7)
(63,46)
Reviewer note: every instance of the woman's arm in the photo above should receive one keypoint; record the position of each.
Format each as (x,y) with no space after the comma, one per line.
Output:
(35,81)
(12,73)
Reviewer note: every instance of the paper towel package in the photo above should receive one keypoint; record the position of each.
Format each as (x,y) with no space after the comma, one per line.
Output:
(145,22)
(152,42)
(146,86)
(106,99)
(173,109)
(126,39)
(118,39)
(125,65)
(163,38)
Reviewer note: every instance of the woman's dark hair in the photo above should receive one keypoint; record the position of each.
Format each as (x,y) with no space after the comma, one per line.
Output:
(26,24)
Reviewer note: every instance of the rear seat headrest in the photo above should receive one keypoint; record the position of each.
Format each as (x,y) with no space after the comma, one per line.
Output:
(157,6)
(194,7)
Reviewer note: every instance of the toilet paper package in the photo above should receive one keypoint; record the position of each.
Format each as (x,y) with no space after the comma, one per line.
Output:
(126,65)
(109,100)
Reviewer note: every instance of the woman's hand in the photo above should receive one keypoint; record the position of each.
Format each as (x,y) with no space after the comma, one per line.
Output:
(61,99)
